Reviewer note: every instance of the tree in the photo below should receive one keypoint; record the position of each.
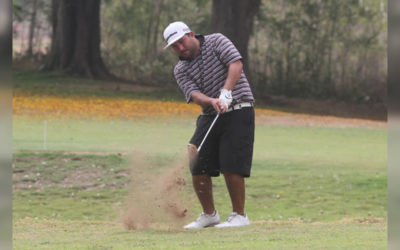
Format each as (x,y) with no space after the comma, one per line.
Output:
(320,49)
(32,27)
(75,45)
(234,19)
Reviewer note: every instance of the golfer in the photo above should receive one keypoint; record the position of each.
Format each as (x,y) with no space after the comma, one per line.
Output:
(209,73)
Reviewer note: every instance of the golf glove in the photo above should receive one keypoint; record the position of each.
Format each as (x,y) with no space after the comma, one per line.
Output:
(226,97)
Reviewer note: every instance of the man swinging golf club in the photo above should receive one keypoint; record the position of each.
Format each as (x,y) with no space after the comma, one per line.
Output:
(209,73)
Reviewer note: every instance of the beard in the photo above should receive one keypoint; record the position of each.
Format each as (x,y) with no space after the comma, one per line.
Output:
(187,54)
(190,53)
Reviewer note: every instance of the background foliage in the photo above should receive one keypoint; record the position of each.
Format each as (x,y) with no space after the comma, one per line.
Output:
(321,49)
(298,48)
(137,50)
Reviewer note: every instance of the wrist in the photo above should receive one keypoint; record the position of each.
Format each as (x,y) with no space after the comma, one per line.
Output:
(226,91)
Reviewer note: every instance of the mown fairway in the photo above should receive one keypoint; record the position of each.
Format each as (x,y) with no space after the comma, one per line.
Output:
(312,187)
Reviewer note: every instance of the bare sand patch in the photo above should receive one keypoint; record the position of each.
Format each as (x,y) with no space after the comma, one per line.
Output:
(154,201)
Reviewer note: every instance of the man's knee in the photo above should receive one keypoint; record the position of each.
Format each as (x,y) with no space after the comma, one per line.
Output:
(192,153)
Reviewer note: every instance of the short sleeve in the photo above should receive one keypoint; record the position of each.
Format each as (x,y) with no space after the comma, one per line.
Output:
(225,50)
(186,85)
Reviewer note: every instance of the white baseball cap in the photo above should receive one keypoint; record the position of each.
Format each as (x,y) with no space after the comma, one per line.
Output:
(174,32)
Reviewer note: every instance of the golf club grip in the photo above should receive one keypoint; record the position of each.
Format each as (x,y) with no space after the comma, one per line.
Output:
(208,131)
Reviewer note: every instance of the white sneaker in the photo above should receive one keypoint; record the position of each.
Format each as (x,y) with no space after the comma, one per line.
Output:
(204,220)
(235,220)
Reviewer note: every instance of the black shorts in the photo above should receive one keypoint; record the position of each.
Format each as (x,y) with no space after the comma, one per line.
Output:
(229,145)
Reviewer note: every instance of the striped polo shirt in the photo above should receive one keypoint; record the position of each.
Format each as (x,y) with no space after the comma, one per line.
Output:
(208,71)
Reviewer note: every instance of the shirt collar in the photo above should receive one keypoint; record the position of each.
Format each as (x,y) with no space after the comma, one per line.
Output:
(200,38)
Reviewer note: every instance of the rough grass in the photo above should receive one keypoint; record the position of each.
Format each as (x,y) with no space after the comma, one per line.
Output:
(276,191)
(289,204)
(32,233)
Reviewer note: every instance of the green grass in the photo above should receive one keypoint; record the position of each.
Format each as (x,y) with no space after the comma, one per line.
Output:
(101,135)
(301,177)
(311,187)
(314,174)
(69,187)
(54,234)
(54,83)
(315,145)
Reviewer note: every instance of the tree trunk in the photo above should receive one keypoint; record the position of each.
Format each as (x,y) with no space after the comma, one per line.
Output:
(76,39)
(32,28)
(156,33)
(234,19)
(150,6)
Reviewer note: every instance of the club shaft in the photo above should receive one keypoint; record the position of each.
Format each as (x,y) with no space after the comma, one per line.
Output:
(208,131)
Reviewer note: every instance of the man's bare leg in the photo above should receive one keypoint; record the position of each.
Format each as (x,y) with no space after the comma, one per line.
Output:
(236,188)
(202,184)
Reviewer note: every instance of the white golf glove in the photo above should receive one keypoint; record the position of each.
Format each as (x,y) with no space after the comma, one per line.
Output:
(226,97)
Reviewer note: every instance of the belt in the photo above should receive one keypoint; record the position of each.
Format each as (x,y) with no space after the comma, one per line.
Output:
(240,106)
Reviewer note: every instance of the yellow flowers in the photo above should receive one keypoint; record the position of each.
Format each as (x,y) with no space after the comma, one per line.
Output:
(49,106)
(78,107)
(96,107)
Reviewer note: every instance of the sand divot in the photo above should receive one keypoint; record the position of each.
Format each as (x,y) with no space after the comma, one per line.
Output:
(154,201)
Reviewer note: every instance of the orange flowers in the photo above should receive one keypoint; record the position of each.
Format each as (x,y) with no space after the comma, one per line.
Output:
(64,107)
(96,107)
(93,107)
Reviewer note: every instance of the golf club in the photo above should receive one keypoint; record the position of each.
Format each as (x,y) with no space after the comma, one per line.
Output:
(208,131)
(193,151)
